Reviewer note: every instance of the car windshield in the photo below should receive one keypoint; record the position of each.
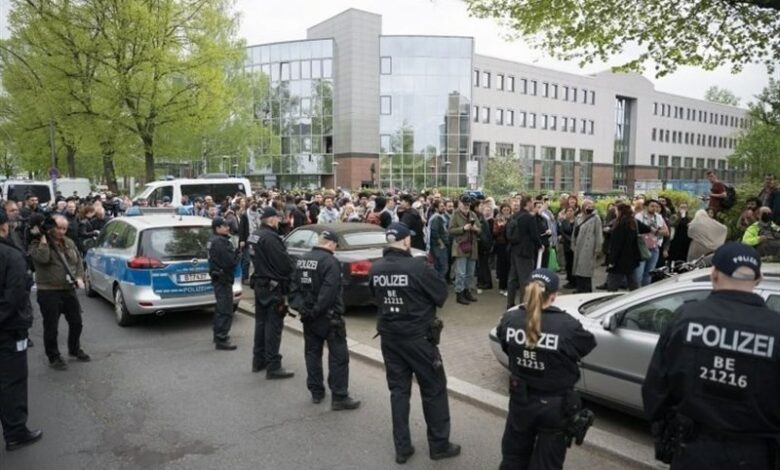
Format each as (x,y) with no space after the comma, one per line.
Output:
(364,239)
(169,243)
(590,306)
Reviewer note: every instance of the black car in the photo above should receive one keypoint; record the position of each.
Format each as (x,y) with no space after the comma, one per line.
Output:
(359,246)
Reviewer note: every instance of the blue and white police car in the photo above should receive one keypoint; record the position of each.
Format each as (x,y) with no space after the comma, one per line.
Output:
(152,264)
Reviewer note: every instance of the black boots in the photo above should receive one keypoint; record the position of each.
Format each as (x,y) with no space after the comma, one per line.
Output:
(469,296)
(29,437)
(225,346)
(401,456)
(452,451)
(280,373)
(348,403)
(460,297)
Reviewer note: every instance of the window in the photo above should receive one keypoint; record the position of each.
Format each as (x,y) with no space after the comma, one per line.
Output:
(710,163)
(688,168)
(564,124)
(532,91)
(316,69)
(384,143)
(573,125)
(510,84)
(526,154)
(567,170)
(663,162)
(592,97)
(565,93)
(327,68)
(499,116)
(476,77)
(653,316)
(655,109)
(654,134)
(475,113)
(674,137)
(386,65)
(545,89)
(504,150)
(773,302)
(553,123)
(676,170)
(485,115)
(510,117)
(586,170)
(486,79)
(302,239)
(543,124)
(285,70)
(574,94)
(591,126)
(524,86)
(548,168)
(532,120)
(584,96)
(385,105)
(555,92)
(499,82)
(583,125)
(522,119)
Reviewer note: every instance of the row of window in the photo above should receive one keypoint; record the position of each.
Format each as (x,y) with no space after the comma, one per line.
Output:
(693,138)
(534,88)
(690,114)
(688,167)
(296,70)
(506,117)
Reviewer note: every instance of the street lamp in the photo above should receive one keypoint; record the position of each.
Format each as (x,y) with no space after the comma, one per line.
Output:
(335,174)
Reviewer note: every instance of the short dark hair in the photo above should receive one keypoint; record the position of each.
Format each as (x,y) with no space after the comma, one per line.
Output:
(711,172)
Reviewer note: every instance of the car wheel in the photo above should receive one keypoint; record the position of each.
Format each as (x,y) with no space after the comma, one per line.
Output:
(88,286)
(123,317)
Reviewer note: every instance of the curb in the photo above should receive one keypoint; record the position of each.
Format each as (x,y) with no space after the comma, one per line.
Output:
(597,440)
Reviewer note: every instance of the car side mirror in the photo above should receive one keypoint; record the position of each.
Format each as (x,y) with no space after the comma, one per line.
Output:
(611,323)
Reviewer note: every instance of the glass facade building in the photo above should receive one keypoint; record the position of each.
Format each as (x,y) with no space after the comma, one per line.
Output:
(425,99)
(295,106)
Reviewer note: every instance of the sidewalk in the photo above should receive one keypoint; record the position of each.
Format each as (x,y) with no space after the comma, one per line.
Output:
(473,373)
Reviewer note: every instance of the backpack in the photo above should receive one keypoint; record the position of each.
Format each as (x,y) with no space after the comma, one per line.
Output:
(730,199)
(374,218)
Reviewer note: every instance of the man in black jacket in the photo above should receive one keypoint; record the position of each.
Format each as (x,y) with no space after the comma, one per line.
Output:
(273,269)
(316,295)
(15,319)
(409,216)
(407,293)
(522,234)
(223,260)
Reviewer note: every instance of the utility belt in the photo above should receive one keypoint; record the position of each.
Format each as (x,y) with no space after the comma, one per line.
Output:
(267,283)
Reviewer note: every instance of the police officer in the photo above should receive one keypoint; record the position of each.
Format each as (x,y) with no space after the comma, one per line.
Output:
(15,319)
(273,269)
(407,292)
(543,344)
(711,388)
(316,294)
(223,259)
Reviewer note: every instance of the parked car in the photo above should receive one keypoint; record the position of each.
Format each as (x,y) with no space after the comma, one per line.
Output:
(153,264)
(627,327)
(218,188)
(359,246)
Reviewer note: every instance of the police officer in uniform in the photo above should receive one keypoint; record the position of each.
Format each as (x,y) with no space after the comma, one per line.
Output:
(15,319)
(223,259)
(273,269)
(407,292)
(543,344)
(711,388)
(316,295)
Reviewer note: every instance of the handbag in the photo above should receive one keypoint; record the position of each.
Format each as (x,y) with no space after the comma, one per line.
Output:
(552,261)
(644,251)
(465,246)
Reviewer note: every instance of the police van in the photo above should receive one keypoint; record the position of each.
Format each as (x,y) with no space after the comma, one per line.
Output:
(173,190)
(17,190)
(153,263)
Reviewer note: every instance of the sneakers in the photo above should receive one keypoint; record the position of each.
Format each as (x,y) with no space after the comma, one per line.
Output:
(452,451)
(58,364)
(29,437)
(280,373)
(348,403)
(479,291)
(503,292)
(461,298)
(402,456)
(80,356)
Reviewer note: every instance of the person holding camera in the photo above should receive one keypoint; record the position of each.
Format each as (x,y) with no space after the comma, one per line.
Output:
(316,295)
(464,228)
(544,345)
(15,320)
(59,271)
(223,259)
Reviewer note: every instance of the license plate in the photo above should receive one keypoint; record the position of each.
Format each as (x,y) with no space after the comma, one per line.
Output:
(194,277)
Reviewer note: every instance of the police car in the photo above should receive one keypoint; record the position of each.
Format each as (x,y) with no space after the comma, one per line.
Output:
(152,264)
(627,326)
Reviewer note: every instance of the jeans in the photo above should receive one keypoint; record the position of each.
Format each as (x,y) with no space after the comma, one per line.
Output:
(642,272)
(245,262)
(464,272)
(441,260)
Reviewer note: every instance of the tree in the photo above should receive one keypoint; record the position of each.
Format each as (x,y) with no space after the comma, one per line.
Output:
(669,33)
(503,175)
(721,95)
(758,148)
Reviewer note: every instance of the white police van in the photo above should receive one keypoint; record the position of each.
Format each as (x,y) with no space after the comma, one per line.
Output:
(218,188)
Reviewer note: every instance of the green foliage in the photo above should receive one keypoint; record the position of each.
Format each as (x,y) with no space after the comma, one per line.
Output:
(758,149)
(668,33)
(721,95)
(678,197)
(503,175)
(730,217)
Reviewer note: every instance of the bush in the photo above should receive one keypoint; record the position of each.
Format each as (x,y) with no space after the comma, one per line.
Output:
(678,197)
(730,217)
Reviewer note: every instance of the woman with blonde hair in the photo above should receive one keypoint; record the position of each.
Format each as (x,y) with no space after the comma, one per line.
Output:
(706,234)
(544,345)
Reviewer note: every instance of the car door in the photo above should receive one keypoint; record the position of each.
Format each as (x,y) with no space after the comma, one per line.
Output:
(616,369)
(113,257)
(300,241)
(96,258)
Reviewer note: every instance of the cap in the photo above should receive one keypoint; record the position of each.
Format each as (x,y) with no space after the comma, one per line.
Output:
(218,222)
(546,277)
(734,255)
(330,235)
(397,231)
(267,212)
(3,217)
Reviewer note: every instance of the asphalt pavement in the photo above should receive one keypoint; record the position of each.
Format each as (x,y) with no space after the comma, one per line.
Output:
(158,396)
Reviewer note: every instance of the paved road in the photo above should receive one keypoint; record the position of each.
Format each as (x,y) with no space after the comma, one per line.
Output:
(158,395)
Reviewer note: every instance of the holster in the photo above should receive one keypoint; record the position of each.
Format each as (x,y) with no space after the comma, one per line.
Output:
(337,324)
(434,331)
(670,434)
(518,389)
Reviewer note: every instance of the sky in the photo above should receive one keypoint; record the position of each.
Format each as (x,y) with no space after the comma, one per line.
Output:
(264,21)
